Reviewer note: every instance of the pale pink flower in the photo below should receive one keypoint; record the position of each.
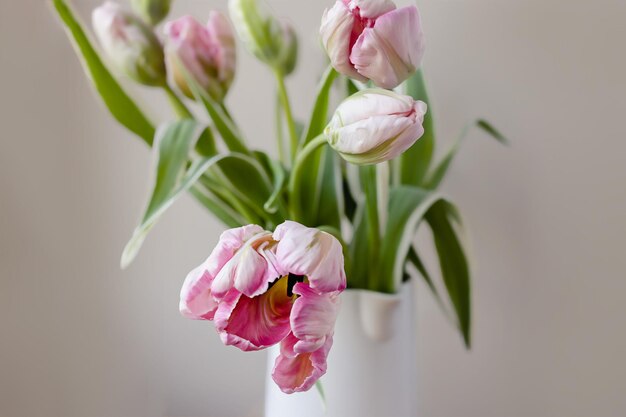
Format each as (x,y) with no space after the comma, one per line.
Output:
(373,126)
(261,289)
(207,53)
(371,39)
(129,43)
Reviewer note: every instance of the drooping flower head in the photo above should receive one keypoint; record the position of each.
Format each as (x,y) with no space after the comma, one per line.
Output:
(206,53)
(373,126)
(129,43)
(261,289)
(371,39)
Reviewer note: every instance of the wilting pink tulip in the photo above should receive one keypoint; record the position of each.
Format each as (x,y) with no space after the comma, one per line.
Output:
(373,126)
(371,39)
(206,53)
(261,289)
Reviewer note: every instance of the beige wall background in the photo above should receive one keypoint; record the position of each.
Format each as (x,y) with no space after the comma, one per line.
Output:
(79,337)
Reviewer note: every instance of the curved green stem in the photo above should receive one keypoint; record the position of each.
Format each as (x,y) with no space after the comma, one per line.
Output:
(177,104)
(294,179)
(291,125)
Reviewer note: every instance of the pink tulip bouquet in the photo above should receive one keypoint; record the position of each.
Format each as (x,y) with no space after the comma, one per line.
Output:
(340,205)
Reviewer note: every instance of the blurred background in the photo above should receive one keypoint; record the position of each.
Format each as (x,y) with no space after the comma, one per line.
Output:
(547,221)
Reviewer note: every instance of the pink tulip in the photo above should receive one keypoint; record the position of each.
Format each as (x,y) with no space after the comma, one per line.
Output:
(375,125)
(129,43)
(261,289)
(206,53)
(371,39)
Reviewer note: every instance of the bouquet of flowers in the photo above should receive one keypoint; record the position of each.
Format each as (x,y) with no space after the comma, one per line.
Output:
(338,208)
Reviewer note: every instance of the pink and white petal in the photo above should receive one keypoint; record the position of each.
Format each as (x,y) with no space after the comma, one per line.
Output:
(313,317)
(371,9)
(336,32)
(370,103)
(300,372)
(229,243)
(254,323)
(311,253)
(363,136)
(250,275)
(196,300)
(390,51)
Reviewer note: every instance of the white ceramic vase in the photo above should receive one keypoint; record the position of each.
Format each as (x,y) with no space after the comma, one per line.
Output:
(371,366)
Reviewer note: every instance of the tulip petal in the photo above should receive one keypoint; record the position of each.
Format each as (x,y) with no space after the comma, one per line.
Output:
(223,41)
(366,135)
(298,372)
(255,323)
(312,253)
(371,9)
(369,103)
(336,31)
(313,317)
(390,51)
(223,260)
(196,301)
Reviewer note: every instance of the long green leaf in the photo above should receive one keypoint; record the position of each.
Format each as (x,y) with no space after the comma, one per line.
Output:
(319,115)
(407,207)
(453,263)
(222,120)
(221,210)
(414,163)
(438,174)
(320,196)
(245,178)
(359,273)
(119,103)
(330,201)
(171,177)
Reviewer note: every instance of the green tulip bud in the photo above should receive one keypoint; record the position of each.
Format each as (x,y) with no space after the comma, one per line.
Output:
(152,11)
(271,41)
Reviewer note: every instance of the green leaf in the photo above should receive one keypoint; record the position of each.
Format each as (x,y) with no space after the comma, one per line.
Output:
(416,261)
(438,174)
(174,142)
(221,210)
(414,163)
(223,123)
(453,263)
(319,115)
(245,178)
(279,175)
(320,200)
(489,129)
(119,103)
(358,271)
(330,195)
(407,207)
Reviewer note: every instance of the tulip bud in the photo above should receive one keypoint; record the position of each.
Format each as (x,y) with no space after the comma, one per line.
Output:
(207,54)
(371,39)
(130,44)
(373,126)
(152,11)
(286,42)
(270,40)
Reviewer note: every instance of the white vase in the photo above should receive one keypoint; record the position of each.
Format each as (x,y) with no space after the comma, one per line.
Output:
(371,366)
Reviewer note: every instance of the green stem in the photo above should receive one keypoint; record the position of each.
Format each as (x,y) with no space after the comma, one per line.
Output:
(369,183)
(177,104)
(294,179)
(291,125)
(279,132)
